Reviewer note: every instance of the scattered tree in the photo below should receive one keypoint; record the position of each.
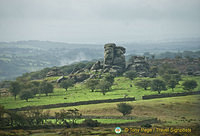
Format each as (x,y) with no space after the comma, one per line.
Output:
(14,88)
(130,74)
(189,85)
(109,78)
(67,83)
(104,86)
(124,108)
(46,88)
(143,84)
(158,85)
(26,94)
(172,84)
(92,84)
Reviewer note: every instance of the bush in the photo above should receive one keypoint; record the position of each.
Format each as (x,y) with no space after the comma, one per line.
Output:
(90,123)
(146,125)
(124,108)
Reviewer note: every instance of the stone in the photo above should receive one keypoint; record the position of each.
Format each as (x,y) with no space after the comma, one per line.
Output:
(54,72)
(97,66)
(60,79)
(114,59)
(139,65)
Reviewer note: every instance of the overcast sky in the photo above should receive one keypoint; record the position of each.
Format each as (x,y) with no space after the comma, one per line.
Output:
(98,21)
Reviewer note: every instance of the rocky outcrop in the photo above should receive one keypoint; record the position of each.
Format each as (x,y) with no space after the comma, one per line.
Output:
(114,59)
(54,72)
(97,66)
(139,65)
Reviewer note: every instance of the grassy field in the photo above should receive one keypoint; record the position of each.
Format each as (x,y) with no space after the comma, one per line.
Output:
(120,88)
(174,112)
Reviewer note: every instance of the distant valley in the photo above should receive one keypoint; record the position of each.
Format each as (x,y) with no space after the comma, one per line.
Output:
(20,57)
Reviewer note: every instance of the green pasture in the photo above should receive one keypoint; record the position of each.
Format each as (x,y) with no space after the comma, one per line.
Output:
(79,92)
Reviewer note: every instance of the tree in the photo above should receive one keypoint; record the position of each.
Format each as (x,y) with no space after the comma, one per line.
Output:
(109,78)
(46,88)
(124,108)
(104,86)
(130,74)
(143,84)
(189,85)
(26,94)
(172,84)
(158,85)
(92,84)
(14,88)
(67,83)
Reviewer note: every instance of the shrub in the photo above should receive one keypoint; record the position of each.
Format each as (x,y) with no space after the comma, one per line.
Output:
(124,108)
(90,123)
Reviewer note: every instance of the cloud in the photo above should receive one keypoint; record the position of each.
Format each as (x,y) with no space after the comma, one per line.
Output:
(98,20)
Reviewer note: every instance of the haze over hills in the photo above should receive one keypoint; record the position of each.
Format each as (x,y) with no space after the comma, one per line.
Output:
(20,57)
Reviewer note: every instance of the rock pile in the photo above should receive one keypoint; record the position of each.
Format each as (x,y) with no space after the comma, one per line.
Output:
(139,65)
(114,59)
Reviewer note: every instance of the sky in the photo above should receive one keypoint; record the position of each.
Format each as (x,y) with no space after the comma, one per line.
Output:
(98,21)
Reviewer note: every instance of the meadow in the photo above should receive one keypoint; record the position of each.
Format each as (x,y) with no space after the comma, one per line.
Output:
(80,92)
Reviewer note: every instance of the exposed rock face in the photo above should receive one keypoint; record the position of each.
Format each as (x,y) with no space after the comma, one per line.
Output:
(54,72)
(139,65)
(114,59)
(97,66)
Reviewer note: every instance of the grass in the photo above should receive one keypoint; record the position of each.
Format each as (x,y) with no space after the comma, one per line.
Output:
(173,111)
(120,88)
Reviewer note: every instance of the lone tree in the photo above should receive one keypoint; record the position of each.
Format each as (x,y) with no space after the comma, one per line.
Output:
(130,74)
(124,108)
(26,94)
(67,83)
(172,84)
(143,83)
(189,85)
(92,84)
(104,86)
(158,85)
(14,88)
(46,88)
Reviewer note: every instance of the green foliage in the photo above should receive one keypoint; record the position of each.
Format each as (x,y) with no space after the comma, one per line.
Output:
(189,85)
(143,83)
(90,123)
(46,88)
(92,84)
(158,85)
(172,84)
(124,108)
(104,86)
(67,83)
(26,94)
(14,88)
(130,74)
(109,78)
(71,115)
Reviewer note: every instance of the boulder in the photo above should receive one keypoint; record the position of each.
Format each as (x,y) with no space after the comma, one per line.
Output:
(97,66)
(60,79)
(139,65)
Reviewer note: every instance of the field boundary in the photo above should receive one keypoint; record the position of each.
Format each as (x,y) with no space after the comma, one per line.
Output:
(58,105)
(145,97)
